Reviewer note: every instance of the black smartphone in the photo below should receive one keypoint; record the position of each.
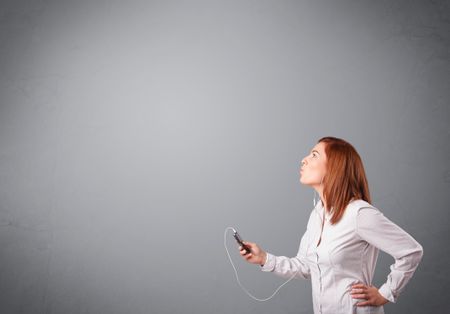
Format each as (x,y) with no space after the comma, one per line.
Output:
(240,242)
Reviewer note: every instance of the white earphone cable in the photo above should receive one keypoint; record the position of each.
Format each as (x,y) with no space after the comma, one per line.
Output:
(237,277)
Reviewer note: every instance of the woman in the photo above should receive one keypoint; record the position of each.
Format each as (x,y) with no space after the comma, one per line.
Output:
(339,249)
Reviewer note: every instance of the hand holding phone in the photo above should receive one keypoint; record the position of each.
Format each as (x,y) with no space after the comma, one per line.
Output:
(241,242)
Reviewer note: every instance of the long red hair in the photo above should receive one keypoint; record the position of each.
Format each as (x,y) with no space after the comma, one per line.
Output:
(345,177)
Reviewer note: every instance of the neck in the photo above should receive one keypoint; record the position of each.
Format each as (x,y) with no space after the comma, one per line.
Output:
(319,190)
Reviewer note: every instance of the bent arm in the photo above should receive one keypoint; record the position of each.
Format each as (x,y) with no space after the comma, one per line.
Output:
(286,267)
(373,227)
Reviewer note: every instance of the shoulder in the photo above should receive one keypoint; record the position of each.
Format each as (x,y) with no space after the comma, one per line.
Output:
(358,206)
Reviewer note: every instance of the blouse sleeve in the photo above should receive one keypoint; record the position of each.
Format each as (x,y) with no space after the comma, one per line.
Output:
(286,267)
(373,227)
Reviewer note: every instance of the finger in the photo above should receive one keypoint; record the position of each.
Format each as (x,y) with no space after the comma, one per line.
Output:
(359,296)
(243,252)
(359,285)
(357,291)
(365,303)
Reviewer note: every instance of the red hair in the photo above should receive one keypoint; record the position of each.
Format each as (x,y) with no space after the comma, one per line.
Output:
(345,177)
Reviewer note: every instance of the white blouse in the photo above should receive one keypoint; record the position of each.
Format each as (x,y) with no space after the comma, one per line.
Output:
(346,255)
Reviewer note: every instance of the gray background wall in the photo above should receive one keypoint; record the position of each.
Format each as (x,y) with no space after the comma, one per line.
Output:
(133,133)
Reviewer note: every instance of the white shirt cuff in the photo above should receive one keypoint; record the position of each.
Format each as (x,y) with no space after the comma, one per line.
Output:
(269,265)
(386,292)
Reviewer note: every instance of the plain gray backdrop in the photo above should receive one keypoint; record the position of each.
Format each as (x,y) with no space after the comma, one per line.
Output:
(132,133)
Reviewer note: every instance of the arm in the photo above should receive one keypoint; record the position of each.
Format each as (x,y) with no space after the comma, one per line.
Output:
(286,267)
(373,227)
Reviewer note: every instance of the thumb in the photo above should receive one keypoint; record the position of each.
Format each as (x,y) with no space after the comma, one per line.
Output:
(249,244)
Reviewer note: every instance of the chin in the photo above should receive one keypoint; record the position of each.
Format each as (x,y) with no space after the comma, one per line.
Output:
(304,183)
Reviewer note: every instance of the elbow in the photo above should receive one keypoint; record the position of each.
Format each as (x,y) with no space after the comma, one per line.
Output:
(416,256)
(413,258)
(419,252)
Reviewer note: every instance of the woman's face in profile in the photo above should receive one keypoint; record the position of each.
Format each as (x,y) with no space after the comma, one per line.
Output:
(313,166)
